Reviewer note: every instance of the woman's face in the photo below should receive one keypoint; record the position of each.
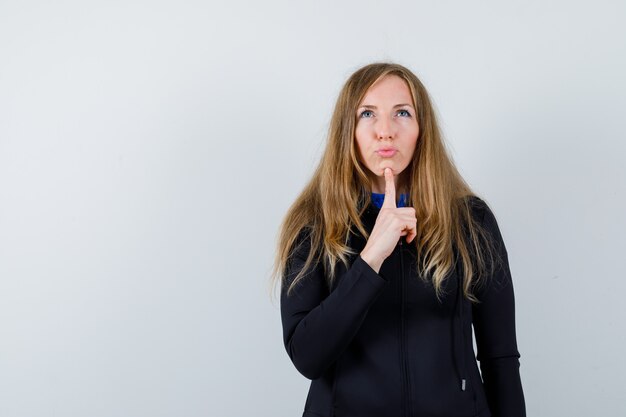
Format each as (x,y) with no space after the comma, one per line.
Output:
(386,129)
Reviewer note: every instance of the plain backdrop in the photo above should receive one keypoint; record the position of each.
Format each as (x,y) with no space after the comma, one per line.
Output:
(150,149)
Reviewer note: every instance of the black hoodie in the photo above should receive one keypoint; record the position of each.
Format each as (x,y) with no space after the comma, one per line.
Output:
(381,344)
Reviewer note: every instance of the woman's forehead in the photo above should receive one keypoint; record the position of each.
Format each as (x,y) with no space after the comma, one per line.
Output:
(390,88)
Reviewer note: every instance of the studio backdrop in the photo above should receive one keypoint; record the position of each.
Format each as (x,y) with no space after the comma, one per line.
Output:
(150,149)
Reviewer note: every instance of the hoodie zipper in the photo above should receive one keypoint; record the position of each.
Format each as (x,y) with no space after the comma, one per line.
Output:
(405,369)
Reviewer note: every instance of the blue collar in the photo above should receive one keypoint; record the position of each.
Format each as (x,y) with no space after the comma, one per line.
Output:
(377,199)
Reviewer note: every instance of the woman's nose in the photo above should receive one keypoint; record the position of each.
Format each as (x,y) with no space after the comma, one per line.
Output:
(384,128)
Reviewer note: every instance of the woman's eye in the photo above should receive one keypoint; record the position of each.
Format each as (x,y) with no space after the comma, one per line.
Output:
(366,113)
(404,113)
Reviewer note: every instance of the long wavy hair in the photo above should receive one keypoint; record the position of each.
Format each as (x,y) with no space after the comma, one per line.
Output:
(332,202)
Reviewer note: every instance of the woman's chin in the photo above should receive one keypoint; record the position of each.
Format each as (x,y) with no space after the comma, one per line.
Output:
(381,170)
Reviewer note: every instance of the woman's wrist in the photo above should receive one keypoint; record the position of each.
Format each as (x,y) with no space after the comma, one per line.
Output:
(372,262)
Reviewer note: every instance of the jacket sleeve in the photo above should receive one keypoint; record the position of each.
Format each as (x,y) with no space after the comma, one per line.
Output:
(317,324)
(494,326)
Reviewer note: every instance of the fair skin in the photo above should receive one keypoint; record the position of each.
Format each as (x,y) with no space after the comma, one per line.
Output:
(386,135)
(386,119)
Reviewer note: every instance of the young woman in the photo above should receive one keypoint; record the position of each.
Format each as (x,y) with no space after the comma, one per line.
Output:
(387,259)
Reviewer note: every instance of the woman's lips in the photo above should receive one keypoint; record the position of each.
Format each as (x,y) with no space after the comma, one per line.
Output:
(386,153)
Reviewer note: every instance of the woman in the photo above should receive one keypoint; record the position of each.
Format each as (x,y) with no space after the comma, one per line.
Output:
(386,260)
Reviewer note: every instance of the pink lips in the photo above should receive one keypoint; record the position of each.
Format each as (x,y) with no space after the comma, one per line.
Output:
(386,152)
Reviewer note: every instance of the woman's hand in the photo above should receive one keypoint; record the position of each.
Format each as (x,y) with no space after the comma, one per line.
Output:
(392,223)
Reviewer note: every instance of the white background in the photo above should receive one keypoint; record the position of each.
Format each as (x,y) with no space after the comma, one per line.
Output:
(149,150)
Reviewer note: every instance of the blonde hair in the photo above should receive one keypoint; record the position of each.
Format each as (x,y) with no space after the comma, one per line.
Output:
(334,199)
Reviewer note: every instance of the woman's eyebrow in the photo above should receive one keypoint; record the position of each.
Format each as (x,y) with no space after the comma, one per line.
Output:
(369,106)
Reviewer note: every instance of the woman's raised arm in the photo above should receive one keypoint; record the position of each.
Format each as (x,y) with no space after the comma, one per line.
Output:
(318,326)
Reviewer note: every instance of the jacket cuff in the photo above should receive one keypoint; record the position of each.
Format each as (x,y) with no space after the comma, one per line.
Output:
(368,272)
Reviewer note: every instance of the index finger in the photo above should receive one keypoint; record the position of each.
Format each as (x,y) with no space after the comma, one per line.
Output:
(390,190)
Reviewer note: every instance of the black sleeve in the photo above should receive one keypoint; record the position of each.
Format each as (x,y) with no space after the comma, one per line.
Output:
(494,326)
(318,326)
